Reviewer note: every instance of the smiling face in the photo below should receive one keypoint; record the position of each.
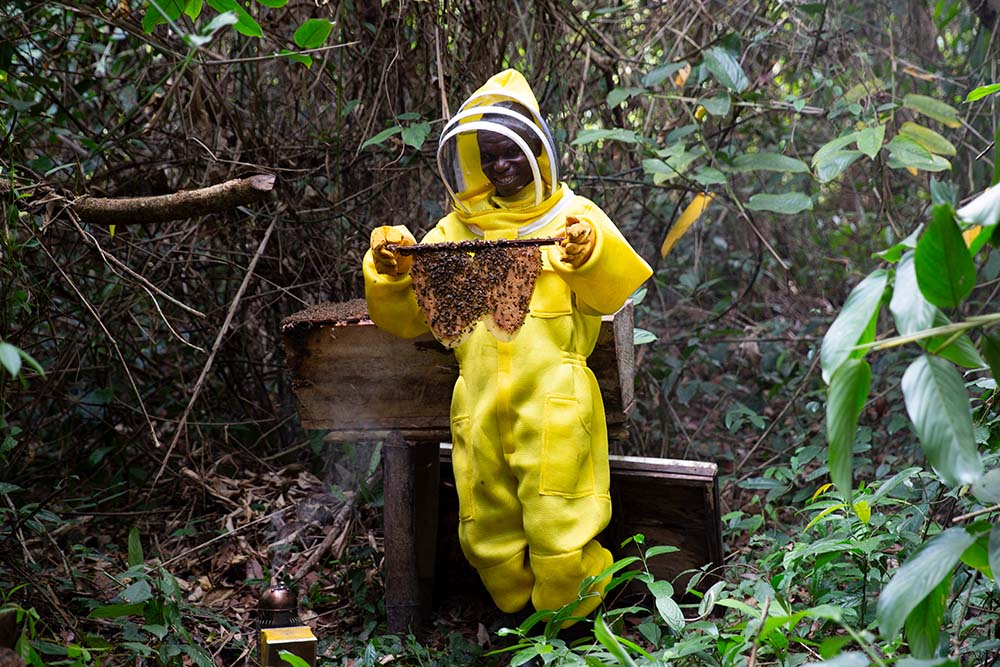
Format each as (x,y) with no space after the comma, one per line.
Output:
(503,163)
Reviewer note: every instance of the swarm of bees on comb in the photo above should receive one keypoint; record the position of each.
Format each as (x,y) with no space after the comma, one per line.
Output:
(461,284)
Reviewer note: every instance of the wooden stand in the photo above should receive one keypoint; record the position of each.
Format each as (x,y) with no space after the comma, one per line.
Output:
(362,384)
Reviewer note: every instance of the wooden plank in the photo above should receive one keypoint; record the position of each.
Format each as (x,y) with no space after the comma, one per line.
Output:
(361,383)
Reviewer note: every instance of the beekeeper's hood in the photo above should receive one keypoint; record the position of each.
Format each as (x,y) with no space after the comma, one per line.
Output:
(459,163)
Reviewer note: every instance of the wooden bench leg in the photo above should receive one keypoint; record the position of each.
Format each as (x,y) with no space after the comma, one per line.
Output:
(411,473)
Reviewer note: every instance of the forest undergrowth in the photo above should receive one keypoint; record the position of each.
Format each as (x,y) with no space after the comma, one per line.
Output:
(811,182)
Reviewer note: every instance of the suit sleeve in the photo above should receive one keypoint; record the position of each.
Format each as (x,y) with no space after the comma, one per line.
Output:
(392,305)
(611,274)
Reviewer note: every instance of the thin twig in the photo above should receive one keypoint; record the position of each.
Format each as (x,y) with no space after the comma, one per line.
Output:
(215,349)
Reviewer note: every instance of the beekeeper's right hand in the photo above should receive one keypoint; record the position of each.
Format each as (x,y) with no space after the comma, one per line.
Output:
(387,261)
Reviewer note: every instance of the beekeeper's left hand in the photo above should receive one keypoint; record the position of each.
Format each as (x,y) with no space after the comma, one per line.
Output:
(579,243)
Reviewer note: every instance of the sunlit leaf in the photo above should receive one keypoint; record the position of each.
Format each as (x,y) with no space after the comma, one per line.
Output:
(919,577)
(982,91)
(691,213)
(933,108)
(938,405)
(945,270)
(725,68)
(768,162)
(848,392)
(928,138)
(853,322)
(787,203)
(246,25)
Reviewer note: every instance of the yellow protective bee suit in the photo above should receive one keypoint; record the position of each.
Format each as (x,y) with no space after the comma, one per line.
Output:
(528,427)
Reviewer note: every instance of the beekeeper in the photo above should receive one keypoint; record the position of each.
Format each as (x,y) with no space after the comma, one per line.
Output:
(530,445)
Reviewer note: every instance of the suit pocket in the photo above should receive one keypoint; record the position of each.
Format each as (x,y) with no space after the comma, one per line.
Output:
(567,465)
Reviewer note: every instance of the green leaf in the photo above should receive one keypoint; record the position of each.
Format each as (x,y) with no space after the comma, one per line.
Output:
(870,140)
(994,550)
(10,358)
(382,136)
(933,108)
(169,10)
(851,325)
(414,135)
(138,592)
(787,203)
(117,610)
(938,405)
(609,641)
(717,105)
(725,68)
(614,134)
(960,350)
(987,488)
(768,162)
(834,163)
(905,153)
(945,270)
(660,74)
(923,625)
(848,392)
(893,253)
(910,310)
(135,556)
(990,343)
(982,91)
(619,95)
(246,25)
(312,33)
(834,145)
(292,659)
(297,57)
(927,138)
(919,577)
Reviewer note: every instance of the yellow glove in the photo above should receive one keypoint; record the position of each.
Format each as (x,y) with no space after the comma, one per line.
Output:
(579,243)
(386,260)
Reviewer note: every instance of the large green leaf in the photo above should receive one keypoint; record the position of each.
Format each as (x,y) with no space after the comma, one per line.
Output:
(834,163)
(933,108)
(854,320)
(725,68)
(945,270)
(927,138)
(870,140)
(848,392)
(600,134)
(905,153)
(768,162)
(788,203)
(246,25)
(919,577)
(923,625)
(938,405)
(910,310)
(312,33)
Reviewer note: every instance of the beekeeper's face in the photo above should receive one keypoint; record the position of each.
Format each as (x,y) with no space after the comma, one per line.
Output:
(503,162)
